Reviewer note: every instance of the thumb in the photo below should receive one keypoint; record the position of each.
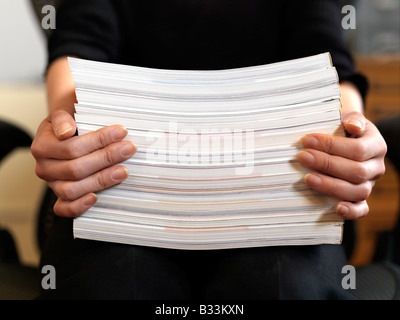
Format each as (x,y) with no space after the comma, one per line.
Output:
(354,123)
(63,123)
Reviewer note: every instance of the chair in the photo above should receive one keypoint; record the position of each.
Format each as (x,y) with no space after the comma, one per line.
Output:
(17,282)
(11,138)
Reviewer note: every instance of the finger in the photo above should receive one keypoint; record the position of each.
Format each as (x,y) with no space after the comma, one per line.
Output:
(96,140)
(352,211)
(87,165)
(354,123)
(369,146)
(78,146)
(342,168)
(338,188)
(73,209)
(63,124)
(73,190)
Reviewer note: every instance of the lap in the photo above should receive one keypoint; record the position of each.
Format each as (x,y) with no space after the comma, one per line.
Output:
(100,270)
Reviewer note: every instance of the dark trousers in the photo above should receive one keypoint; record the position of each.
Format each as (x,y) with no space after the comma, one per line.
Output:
(100,270)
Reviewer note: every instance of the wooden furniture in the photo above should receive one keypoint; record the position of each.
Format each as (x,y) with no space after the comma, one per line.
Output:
(383,101)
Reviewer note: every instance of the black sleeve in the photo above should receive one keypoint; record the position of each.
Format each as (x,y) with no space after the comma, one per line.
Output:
(314,26)
(85,28)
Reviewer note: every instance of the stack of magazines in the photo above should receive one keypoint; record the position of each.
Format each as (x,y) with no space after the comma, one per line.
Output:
(216,162)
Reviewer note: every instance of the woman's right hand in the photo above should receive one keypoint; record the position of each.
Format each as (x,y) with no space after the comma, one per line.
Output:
(75,167)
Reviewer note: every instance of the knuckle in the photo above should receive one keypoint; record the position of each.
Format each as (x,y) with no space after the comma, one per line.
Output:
(70,151)
(40,172)
(101,138)
(358,210)
(65,209)
(382,169)
(334,187)
(361,209)
(360,151)
(35,149)
(74,171)
(58,209)
(362,172)
(364,190)
(100,182)
(108,157)
(385,148)
(366,209)
(326,165)
(328,144)
(66,191)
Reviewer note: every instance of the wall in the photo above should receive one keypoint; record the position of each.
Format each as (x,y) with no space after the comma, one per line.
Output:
(22,102)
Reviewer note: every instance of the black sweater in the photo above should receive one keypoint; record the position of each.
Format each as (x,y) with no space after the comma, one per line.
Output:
(201,34)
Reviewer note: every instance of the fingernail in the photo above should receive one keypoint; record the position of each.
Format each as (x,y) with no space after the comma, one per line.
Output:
(312,180)
(63,130)
(119,133)
(120,173)
(128,149)
(309,141)
(355,122)
(342,210)
(89,201)
(306,158)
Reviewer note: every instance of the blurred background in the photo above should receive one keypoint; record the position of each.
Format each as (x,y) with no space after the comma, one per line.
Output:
(375,44)
(22,104)
(22,107)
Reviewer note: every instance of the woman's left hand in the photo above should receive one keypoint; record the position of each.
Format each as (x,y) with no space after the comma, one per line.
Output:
(346,167)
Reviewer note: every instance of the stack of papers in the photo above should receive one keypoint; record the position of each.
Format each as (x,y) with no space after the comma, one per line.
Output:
(216,161)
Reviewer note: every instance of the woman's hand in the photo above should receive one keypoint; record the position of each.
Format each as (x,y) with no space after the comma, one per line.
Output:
(347,166)
(77,166)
